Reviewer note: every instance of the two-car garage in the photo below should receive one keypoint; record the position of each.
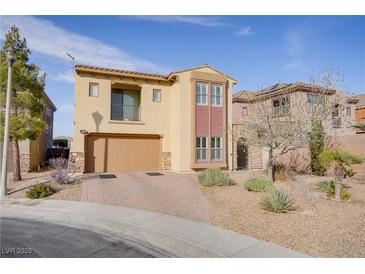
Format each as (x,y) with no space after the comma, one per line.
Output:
(122,152)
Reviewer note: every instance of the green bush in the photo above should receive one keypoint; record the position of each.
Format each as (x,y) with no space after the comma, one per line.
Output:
(278,200)
(329,188)
(258,185)
(316,145)
(40,190)
(215,177)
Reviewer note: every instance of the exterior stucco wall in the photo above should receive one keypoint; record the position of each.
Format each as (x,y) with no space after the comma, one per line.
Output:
(172,118)
(93,113)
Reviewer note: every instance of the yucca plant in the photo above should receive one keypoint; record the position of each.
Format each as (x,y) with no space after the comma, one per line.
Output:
(342,161)
(278,200)
(258,185)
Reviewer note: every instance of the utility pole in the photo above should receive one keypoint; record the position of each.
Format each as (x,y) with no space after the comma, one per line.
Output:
(4,169)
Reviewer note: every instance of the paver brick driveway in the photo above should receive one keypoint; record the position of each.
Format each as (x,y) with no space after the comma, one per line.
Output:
(172,193)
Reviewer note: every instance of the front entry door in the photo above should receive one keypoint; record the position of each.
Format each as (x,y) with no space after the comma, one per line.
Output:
(242,155)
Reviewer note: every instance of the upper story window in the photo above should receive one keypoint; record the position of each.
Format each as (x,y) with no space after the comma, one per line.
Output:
(156,95)
(93,89)
(244,111)
(125,105)
(216,94)
(315,102)
(348,111)
(216,147)
(314,99)
(201,148)
(201,93)
(336,118)
(280,106)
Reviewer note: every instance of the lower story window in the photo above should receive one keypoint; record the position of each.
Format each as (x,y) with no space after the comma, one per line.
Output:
(201,148)
(216,146)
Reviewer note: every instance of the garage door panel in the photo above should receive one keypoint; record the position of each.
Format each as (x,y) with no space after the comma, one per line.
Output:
(118,153)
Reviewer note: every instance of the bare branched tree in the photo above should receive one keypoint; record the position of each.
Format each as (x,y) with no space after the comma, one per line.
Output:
(280,119)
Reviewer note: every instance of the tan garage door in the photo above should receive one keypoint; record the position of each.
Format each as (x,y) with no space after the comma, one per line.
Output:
(107,153)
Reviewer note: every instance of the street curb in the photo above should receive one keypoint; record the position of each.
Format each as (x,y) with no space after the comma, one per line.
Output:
(159,234)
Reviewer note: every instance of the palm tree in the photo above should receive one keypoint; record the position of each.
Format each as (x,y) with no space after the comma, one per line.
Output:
(341,161)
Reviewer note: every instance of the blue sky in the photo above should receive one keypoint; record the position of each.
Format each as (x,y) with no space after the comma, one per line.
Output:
(258,51)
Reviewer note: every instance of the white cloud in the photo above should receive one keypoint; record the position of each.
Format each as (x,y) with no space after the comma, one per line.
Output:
(65,76)
(207,21)
(295,65)
(46,38)
(244,31)
(66,108)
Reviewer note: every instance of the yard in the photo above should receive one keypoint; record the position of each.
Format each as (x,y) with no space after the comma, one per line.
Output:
(318,227)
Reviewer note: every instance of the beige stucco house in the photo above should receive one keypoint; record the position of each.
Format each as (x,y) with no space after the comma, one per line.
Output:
(33,152)
(125,120)
(284,99)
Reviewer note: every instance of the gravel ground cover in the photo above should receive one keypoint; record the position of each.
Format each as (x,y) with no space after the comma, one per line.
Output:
(70,191)
(319,227)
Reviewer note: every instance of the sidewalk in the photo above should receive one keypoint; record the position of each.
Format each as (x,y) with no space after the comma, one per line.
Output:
(164,234)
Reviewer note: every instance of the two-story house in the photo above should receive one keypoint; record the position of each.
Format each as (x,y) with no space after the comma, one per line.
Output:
(126,121)
(296,99)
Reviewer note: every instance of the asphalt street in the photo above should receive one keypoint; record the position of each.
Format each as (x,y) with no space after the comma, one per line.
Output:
(22,238)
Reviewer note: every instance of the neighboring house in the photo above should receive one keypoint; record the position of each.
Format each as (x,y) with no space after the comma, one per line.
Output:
(125,120)
(33,152)
(283,99)
(360,111)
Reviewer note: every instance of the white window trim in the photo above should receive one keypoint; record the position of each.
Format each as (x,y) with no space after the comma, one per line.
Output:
(93,84)
(201,148)
(196,93)
(153,95)
(215,96)
(216,148)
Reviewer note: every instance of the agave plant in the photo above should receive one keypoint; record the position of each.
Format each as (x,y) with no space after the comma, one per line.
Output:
(278,200)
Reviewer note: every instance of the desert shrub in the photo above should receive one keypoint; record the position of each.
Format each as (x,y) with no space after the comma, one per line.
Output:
(215,177)
(60,170)
(278,200)
(329,188)
(258,185)
(280,172)
(345,194)
(40,190)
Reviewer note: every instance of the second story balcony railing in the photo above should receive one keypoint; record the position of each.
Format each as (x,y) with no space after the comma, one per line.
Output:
(126,112)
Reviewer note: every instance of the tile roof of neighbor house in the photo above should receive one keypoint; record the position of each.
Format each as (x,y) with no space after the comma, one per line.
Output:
(135,74)
(49,101)
(361,101)
(246,96)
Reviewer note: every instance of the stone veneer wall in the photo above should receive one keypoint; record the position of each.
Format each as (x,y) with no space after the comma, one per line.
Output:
(77,162)
(166,160)
(25,162)
(254,153)
(255,157)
